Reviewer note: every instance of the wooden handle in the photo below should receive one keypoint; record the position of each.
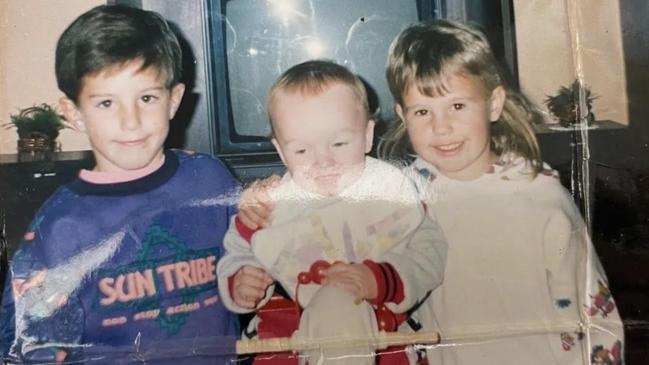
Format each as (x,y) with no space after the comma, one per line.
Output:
(383,340)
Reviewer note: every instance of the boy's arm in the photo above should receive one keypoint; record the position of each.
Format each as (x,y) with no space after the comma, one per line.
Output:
(419,264)
(7,324)
(40,313)
(255,205)
(238,254)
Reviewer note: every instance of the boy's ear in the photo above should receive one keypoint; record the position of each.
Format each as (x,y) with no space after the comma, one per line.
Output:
(72,114)
(369,135)
(497,101)
(176,97)
(279,150)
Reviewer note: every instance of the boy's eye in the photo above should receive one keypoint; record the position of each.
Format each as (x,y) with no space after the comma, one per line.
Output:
(458,106)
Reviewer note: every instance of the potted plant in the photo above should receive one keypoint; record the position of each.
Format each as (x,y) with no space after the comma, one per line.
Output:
(37,127)
(565,106)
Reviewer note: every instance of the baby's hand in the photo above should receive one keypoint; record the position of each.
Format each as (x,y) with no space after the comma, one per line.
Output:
(355,278)
(249,286)
(255,206)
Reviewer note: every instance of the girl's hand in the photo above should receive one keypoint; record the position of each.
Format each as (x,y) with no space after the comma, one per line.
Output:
(255,206)
(249,286)
(354,278)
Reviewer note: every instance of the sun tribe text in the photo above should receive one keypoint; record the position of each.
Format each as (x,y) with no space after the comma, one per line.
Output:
(139,284)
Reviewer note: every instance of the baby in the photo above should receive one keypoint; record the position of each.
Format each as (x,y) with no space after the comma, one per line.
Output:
(334,206)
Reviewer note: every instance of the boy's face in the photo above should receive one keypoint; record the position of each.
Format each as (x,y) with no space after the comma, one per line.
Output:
(322,139)
(125,111)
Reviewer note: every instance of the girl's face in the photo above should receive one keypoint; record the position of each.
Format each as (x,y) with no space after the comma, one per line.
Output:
(451,131)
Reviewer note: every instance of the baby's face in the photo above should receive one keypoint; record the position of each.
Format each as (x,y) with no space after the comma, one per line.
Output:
(322,139)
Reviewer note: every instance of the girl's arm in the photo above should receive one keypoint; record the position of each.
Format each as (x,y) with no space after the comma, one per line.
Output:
(420,263)
(578,284)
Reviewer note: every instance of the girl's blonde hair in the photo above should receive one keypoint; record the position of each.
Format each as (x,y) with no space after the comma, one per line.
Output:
(424,53)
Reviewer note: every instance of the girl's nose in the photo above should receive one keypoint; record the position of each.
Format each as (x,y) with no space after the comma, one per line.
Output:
(442,126)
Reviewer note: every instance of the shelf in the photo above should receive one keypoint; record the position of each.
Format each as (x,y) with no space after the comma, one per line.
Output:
(598,125)
(44,157)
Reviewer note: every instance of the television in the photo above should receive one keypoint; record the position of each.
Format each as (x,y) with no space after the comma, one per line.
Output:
(237,48)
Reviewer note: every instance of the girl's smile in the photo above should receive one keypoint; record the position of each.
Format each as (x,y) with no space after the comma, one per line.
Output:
(452,131)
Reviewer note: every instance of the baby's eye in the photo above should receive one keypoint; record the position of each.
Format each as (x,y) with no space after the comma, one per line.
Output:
(148,98)
(340,144)
(300,151)
(458,106)
(421,112)
(105,104)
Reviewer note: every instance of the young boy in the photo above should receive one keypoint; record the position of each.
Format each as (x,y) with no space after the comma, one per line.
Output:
(334,205)
(119,266)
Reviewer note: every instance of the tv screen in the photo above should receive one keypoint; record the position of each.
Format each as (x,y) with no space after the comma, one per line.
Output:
(235,49)
(255,41)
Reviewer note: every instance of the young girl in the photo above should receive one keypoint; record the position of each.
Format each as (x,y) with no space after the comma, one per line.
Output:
(522,284)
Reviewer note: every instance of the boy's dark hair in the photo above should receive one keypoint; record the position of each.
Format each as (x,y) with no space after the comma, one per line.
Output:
(112,35)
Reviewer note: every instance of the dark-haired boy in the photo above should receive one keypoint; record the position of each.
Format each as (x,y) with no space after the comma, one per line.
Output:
(119,266)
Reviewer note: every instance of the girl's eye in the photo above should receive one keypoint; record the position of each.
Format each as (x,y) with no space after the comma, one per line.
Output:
(105,104)
(421,112)
(148,98)
(458,106)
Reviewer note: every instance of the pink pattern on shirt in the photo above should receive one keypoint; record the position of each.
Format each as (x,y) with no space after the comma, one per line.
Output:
(97,177)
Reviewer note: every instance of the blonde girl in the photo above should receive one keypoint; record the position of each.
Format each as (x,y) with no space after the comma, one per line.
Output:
(522,283)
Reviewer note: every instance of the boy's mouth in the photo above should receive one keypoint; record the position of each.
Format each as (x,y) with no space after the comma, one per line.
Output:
(132,143)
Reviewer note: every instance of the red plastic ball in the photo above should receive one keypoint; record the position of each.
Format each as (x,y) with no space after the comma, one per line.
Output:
(317,270)
(304,278)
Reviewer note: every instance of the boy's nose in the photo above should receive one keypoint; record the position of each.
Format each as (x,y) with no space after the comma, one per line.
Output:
(130,119)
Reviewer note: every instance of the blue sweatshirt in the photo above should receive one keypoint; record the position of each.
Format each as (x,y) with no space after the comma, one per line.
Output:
(125,272)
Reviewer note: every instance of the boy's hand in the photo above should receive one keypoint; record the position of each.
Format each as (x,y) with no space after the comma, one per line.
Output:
(255,206)
(249,286)
(355,278)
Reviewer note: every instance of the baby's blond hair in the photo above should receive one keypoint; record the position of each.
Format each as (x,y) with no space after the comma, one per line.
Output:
(312,78)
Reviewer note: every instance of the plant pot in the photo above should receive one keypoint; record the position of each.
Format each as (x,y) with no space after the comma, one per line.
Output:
(34,145)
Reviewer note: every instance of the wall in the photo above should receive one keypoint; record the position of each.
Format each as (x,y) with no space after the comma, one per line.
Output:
(29,30)
(4,32)
(557,39)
